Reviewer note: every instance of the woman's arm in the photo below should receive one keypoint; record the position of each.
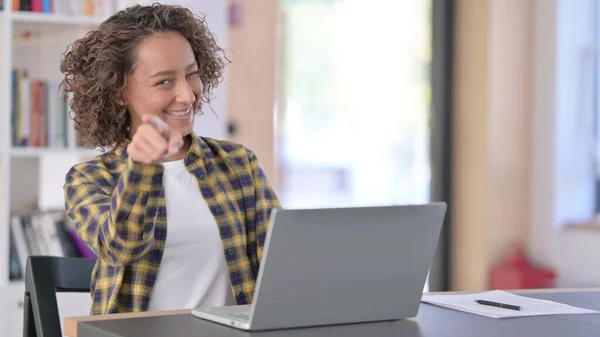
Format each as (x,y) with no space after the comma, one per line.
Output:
(117,226)
(265,200)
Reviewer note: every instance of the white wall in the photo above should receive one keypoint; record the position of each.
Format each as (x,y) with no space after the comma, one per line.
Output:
(562,163)
(578,259)
(543,123)
(574,87)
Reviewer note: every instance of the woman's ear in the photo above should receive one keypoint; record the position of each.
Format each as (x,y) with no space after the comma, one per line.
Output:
(120,100)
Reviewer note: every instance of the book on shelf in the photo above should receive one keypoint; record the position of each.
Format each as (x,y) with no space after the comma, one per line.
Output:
(66,7)
(40,113)
(43,233)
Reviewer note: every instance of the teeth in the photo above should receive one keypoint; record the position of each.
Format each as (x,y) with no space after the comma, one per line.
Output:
(177,113)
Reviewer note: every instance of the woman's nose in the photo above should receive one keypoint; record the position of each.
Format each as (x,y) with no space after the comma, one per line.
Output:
(185,94)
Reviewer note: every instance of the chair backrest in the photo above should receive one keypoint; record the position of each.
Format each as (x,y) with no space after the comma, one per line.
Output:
(44,277)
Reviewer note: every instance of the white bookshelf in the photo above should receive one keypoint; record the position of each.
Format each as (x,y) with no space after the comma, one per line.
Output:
(31,178)
(39,152)
(5,94)
(55,19)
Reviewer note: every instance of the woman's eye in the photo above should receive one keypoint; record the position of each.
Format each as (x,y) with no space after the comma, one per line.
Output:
(194,73)
(163,82)
(169,81)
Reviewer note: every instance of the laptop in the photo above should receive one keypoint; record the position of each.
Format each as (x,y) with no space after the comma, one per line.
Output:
(338,266)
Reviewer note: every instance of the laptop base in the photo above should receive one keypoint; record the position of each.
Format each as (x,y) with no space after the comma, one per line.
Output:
(237,316)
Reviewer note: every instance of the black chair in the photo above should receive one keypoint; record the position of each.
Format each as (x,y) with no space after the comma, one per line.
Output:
(44,277)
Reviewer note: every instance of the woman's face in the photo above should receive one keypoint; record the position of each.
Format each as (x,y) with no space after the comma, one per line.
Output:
(165,82)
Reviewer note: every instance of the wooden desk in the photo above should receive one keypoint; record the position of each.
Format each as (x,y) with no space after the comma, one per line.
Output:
(70,323)
(592,321)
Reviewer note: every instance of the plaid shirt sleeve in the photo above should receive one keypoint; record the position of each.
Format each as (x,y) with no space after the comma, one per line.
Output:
(116,222)
(265,200)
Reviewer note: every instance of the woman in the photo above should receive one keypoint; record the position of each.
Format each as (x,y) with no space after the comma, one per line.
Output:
(176,220)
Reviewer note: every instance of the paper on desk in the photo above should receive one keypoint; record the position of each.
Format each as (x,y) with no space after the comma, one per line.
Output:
(529,306)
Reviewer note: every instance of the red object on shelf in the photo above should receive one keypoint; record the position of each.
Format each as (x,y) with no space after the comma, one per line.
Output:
(516,272)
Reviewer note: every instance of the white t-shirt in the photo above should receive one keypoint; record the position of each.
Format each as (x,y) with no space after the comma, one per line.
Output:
(193,272)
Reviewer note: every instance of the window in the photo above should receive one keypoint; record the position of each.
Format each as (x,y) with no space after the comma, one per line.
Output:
(355,103)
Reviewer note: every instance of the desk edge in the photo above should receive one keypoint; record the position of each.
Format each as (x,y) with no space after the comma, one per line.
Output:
(70,323)
(523,291)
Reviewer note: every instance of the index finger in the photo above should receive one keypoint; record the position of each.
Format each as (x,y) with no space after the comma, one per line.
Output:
(157,123)
(175,141)
(173,137)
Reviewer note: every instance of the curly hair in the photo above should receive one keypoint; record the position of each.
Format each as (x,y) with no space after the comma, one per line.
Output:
(96,65)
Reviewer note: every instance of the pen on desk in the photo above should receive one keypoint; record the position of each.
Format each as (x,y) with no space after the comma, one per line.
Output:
(499,305)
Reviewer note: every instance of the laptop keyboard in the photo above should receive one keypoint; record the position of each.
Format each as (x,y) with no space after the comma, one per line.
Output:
(239,316)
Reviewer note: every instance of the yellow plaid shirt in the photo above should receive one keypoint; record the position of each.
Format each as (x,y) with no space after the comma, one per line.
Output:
(118,207)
